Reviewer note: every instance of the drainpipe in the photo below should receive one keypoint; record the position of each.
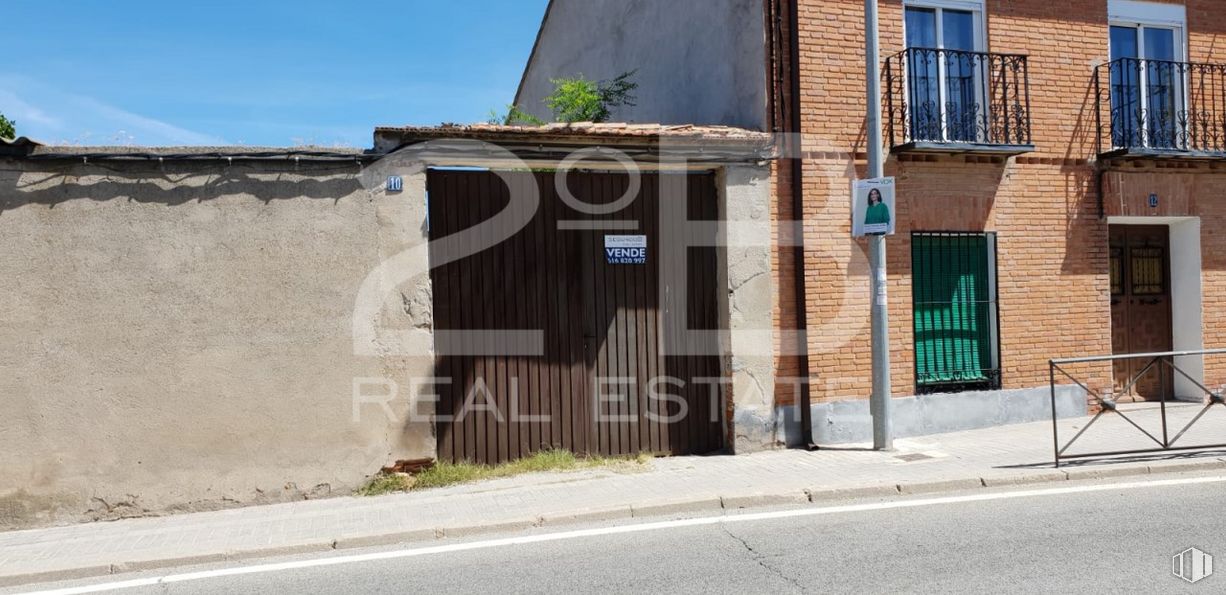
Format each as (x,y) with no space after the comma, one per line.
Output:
(798,201)
(1100,173)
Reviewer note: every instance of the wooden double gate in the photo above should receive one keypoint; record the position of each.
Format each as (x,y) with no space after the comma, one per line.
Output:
(615,373)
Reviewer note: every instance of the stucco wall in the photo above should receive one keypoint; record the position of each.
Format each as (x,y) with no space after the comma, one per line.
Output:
(182,336)
(746,194)
(698,61)
(178,337)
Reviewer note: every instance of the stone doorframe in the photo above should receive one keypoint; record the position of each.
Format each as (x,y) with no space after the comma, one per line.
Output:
(1187,316)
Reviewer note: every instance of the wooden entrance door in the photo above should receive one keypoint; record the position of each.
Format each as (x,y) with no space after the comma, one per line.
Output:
(610,330)
(1140,306)
(638,318)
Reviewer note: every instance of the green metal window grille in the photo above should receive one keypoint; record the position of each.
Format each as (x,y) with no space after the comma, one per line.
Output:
(955,314)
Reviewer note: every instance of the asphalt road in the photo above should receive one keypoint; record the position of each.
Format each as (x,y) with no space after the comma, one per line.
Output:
(1117,540)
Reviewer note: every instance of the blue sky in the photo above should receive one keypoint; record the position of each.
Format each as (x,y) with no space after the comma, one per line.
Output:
(253,72)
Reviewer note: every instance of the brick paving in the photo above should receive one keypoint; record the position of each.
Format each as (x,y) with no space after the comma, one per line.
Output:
(998,456)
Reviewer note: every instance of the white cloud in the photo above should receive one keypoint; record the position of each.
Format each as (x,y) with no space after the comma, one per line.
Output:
(62,117)
(15,109)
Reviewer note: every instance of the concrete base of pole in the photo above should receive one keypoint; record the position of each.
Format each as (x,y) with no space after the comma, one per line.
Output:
(880,403)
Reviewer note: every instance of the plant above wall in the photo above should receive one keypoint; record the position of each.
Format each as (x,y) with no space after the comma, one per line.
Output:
(576,99)
(581,100)
(515,117)
(8,128)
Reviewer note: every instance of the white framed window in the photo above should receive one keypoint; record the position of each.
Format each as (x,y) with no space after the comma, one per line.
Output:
(946,69)
(945,24)
(1147,30)
(1152,13)
(1148,51)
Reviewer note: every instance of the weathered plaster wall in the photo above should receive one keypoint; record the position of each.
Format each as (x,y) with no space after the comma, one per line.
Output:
(178,337)
(750,297)
(698,61)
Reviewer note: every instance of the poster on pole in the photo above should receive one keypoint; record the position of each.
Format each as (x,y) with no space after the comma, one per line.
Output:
(872,207)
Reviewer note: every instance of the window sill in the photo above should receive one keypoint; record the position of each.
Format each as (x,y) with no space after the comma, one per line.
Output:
(954,148)
(958,387)
(1131,153)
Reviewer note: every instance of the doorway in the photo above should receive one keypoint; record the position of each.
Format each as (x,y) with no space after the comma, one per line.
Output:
(1141,322)
(617,372)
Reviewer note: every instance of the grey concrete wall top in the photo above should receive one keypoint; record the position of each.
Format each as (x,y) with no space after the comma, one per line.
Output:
(698,61)
(849,422)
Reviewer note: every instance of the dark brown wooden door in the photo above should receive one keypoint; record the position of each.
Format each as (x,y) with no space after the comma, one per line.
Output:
(1140,306)
(607,382)
(495,407)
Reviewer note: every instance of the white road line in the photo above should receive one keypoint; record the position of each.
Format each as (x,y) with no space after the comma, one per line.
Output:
(636,528)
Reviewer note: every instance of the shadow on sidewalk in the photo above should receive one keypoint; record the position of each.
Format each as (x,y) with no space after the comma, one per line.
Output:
(1117,460)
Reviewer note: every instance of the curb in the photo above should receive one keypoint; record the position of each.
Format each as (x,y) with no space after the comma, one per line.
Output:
(678,506)
(1001,481)
(67,574)
(831,494)
(763,500)
(931,487)
(594,515)
(674,507)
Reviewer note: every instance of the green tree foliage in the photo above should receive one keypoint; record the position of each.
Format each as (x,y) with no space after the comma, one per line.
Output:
(8,128)
(581,100)
(515,116)
(576,99)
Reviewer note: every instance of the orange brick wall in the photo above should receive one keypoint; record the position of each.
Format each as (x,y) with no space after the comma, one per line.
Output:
(1207,43)
(787,367)
(1185,189)
(1052,244)
(1211,206)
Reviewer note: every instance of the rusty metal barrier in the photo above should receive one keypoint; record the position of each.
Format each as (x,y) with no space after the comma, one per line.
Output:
(1162,362)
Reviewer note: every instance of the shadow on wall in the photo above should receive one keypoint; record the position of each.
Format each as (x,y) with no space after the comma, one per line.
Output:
(928,201)
(1086,136)
(1085,233)
(173,184)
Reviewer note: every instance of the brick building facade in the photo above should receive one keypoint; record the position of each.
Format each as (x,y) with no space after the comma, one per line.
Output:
(1068,140)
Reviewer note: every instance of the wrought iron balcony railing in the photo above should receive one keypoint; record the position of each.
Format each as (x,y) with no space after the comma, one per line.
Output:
(1159,107)
(952,100)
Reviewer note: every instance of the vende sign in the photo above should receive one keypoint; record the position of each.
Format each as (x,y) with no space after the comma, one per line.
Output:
(625,249)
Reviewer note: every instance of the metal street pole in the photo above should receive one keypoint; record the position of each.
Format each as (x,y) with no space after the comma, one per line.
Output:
(880,403)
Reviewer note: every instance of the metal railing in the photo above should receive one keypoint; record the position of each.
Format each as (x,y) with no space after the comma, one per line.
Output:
(1162,363)
(953,96)
(1160,106)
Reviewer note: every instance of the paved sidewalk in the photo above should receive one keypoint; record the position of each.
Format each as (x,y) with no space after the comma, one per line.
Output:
(1011,455)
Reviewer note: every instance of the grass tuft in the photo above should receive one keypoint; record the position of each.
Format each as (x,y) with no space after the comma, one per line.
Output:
(445,474)
(386,483)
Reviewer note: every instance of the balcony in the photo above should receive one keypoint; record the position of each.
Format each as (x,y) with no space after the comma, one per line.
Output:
(1160,109)
(953,101)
